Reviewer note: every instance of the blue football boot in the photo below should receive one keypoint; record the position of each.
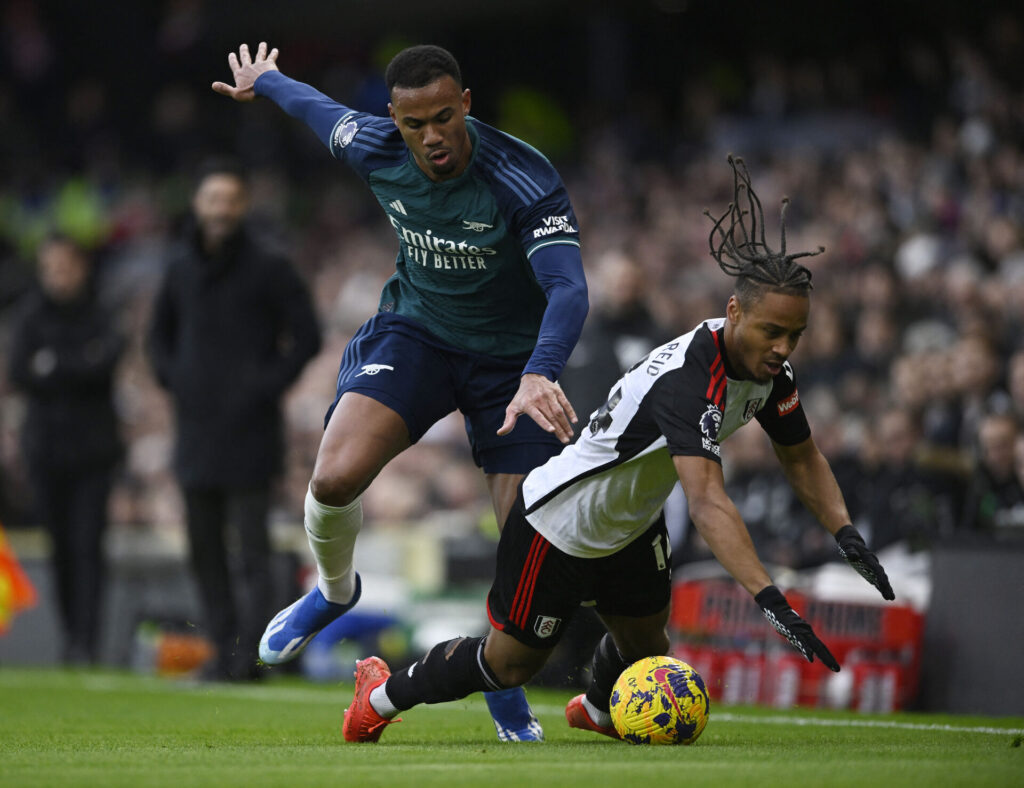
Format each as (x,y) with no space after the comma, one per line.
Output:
(513,718)
(290,631)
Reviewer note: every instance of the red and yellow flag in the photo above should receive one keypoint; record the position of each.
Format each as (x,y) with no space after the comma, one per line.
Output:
(16,590)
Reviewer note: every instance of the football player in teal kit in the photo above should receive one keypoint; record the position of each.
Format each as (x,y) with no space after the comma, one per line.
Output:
(485,306)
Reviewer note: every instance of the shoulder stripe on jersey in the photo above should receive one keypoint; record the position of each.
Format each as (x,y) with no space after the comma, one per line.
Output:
(519,612)
(717,384)
(502,176)
(383,141)
(379,129)
(716,387)
(498,159)
(720,393)
(716,377)
(373,146)
(520,176)
(514,177)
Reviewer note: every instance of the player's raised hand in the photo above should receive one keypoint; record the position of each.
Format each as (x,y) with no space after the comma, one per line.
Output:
(857,555)
(245,70)
(543,401)
(793,628)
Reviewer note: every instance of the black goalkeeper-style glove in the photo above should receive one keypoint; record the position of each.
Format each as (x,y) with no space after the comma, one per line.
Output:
(793,628)
(857,555)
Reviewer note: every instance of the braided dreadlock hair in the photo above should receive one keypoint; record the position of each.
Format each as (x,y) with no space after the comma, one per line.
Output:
(740,248)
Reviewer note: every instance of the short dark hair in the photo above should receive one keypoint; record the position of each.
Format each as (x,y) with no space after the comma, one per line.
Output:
(741,250)
(221,165)
(418,66)
(60,238)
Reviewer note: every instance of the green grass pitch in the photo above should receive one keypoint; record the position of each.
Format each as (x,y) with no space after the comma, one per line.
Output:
(104,728)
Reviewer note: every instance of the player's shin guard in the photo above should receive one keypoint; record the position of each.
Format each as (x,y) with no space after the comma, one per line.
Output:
(607,667)
(449,671)
(332,531)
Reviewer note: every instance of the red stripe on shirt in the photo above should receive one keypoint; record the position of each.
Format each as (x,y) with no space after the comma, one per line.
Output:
(524,579)
(716,386)
(719,396)
(716,379)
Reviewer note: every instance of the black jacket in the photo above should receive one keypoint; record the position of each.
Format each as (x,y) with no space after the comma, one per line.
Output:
(229,334)
(63,358)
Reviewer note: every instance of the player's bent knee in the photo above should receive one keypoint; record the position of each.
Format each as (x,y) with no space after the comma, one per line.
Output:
(332,490)
(513,670)
(512,663)
(514,675)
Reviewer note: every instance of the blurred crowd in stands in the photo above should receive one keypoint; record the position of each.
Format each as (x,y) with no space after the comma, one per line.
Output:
(912,369)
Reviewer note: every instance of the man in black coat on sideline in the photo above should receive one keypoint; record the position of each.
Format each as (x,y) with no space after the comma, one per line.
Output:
(232,328)
(64,349)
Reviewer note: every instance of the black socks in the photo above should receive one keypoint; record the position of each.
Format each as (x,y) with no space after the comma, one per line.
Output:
(449,671)
(607,666)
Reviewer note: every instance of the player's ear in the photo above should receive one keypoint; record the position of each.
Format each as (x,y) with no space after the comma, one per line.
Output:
(733,310)
(466,101)
(391,112)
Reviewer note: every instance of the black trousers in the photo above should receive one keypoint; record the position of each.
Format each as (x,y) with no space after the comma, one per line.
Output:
(229,545)
(73,506)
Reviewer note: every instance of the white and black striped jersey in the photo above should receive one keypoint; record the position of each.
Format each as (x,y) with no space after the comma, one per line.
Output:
(607,487)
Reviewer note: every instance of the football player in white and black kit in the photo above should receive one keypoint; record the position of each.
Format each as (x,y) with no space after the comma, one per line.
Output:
(588,524)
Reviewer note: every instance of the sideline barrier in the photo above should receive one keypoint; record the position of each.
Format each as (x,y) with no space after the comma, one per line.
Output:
(717,628)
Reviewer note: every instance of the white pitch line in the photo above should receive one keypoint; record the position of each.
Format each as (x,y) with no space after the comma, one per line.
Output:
(825,722)
(324,694)
(832,723)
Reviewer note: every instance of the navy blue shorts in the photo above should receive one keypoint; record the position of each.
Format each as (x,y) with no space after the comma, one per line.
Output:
(537,588)
(397,362)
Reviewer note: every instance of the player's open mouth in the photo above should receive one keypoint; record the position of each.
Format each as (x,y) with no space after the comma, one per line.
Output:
(439,157)
(775,367)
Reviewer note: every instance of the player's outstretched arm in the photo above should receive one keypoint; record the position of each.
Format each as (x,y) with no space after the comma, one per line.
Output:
(811,478)
(719,523)
(543,401)
(246,70)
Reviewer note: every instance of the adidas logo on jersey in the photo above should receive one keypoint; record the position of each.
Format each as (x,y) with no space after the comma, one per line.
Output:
(397,205)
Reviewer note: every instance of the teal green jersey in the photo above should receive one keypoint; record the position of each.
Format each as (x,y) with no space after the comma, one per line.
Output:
(488,262)
(464,244)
